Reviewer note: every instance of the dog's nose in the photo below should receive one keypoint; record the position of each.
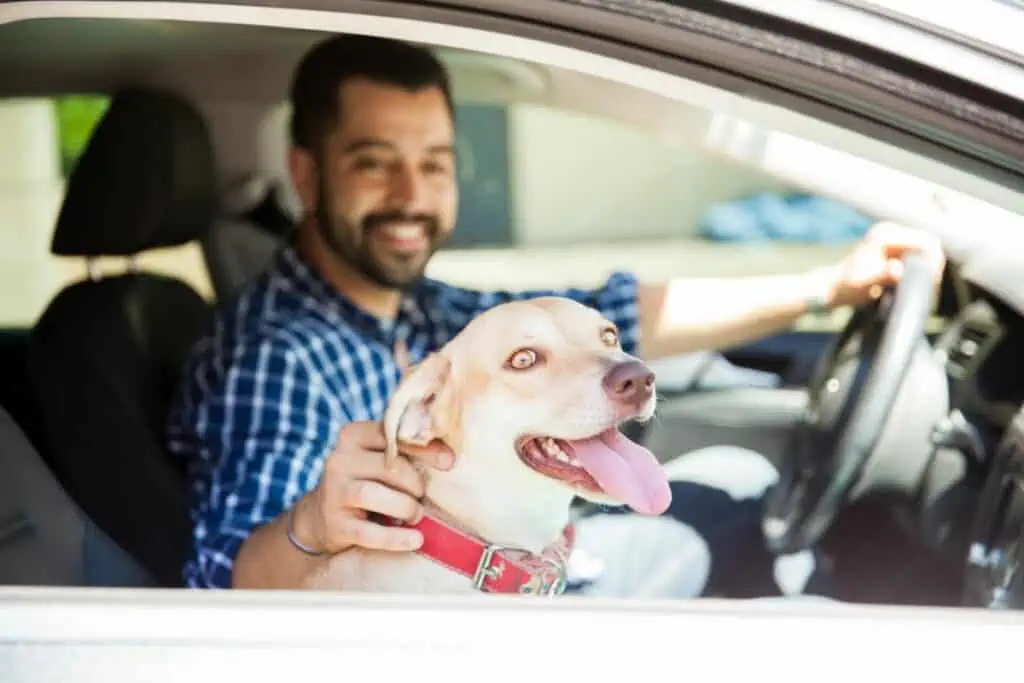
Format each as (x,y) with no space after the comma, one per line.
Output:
(629,382)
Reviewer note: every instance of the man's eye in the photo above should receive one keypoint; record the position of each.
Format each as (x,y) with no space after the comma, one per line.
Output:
(369,164)
(436,168)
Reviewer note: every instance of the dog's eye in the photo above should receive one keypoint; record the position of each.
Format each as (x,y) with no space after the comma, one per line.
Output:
(610,337)
(522,359)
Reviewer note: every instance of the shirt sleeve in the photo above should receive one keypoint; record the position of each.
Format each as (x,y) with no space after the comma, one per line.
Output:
(616,299)
(256,434)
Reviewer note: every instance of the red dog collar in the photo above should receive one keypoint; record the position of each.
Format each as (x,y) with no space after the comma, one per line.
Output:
(494,568)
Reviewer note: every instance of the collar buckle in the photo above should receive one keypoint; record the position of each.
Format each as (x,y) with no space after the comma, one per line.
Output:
(548,579)
(487,568)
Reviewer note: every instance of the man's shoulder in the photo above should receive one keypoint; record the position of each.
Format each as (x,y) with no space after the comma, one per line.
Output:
(261,322)
(253,349)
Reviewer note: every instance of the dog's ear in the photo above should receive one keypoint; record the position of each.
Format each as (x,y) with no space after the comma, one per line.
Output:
(413,413)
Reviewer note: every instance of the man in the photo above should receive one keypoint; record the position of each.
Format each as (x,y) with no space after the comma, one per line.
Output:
(278,415)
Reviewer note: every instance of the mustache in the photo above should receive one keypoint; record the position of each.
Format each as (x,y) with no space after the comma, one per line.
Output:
(377,220)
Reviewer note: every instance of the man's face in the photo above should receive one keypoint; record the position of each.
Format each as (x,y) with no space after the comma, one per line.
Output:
(385,187)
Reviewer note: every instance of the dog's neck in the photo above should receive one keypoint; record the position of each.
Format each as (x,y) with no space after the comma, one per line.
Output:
(506,504)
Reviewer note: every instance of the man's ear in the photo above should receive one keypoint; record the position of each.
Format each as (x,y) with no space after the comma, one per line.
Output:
(304,172)
(415,412)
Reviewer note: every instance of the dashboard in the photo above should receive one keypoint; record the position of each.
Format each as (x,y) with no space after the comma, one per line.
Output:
(986,380)
(994,558)
(981,349)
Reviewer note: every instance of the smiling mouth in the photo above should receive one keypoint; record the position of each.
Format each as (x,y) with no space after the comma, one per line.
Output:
(556,459)
(404,237)
(607,464)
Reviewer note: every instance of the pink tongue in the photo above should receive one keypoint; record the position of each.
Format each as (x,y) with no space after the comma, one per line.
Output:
(625,470)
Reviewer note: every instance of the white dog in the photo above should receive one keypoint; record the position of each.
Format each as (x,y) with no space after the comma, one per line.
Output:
(529,397)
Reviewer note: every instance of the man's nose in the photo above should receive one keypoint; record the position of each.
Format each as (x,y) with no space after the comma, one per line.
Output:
(629,382)
(407,185)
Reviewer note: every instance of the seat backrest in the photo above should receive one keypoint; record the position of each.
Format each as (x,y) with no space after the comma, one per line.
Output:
(45,540)
(236,251)
(241,246)
(105,356)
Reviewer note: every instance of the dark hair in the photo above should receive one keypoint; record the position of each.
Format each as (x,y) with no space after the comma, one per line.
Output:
(320,74)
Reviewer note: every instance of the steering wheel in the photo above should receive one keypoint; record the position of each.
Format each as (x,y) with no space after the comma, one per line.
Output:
(851,393)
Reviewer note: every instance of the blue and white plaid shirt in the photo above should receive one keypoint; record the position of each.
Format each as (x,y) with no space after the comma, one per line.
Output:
(288,362)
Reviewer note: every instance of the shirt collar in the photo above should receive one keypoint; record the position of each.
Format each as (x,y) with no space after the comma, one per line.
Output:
(305,280)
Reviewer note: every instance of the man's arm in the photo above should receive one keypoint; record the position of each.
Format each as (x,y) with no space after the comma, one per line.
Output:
(682,315)
(696,314)
(260,431)
(277,448)
(693,314)
(267,559)
(335,516)
(285,437)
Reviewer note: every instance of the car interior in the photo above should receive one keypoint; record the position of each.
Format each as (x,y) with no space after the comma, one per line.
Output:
(180,196)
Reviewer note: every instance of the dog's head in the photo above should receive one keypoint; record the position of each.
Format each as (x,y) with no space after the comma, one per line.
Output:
(530,397)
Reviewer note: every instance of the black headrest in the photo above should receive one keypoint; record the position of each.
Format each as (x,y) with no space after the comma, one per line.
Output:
(146,180)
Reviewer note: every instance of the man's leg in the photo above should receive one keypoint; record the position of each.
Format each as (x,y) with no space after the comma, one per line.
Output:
(708,542)
(631,556)
(720,491)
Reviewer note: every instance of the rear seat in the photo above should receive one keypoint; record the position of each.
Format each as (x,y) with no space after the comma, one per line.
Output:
(45,539)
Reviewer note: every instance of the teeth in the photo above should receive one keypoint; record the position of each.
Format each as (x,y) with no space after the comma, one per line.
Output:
(551,449)
(403,232)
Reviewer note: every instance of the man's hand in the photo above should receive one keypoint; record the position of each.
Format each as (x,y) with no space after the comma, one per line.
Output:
(876,263)
(333,517)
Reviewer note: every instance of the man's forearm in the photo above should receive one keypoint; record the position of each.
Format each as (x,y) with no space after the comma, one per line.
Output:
(695,314)
(267,559)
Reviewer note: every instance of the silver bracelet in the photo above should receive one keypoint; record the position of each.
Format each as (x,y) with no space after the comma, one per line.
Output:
(299,545)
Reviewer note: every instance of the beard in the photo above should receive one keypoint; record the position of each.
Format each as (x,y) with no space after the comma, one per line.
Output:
(353,244)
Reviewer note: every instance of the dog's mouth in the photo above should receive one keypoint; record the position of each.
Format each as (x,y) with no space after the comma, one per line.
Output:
(607,464)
